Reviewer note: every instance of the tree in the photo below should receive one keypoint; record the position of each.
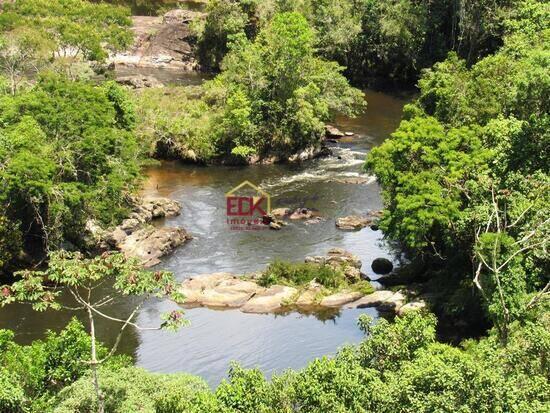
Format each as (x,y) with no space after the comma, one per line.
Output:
(23,51)
(80,277)
(66,154)
(274,95)
(75,29)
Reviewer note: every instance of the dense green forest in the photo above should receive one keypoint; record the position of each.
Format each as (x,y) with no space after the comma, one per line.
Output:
(464,180)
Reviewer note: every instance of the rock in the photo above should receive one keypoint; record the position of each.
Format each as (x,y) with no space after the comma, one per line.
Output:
(269,300)
(139,81)
(116,237)
(393,303)
(333,132)
(275,225)
(192,288)
(374,227)
(349,133)
(314,220)
(310,152)
(129,225)
(161,207)
(353,222)
(382,266)
(412,306)
(162,42)
(341,298)
(179,16)
(280,212)
(149,244)
(336,257)
(309,297)
(375,299)
(303,213)
(353,274)
(231,293)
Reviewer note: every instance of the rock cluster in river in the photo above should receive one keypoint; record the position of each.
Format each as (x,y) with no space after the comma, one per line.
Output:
(135,237)
(226,290)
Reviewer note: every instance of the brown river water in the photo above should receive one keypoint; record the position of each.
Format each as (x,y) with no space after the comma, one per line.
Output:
(271,342)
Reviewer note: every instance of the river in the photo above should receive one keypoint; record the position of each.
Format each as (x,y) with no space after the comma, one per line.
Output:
(271,342)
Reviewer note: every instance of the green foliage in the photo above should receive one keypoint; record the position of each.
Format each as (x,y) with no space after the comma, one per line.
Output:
(460,174)
(274,95)
(174,122)
(425,170)
(38,371)
(299,274)
(66,155)
(225,19)
(128,390)
(77,28)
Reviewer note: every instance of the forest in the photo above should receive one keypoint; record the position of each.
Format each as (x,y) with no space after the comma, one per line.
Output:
(464,181)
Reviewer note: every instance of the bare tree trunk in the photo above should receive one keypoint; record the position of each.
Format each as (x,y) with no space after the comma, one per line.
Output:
(94,363)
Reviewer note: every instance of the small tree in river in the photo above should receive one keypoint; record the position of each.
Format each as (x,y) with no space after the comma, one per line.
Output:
(79,278)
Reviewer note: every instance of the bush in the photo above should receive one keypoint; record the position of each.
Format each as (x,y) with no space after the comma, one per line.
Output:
(299,274)
(131,389)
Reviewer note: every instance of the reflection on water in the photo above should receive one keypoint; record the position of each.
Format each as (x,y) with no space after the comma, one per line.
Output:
(271,342)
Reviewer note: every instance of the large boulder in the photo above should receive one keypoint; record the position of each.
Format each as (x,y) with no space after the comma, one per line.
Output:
(193,288)
(353,222)
(231,293)
(270,300)
(163,42)
(382,266)
(148,244)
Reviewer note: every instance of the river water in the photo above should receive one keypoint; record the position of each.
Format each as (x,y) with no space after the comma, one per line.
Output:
(271,342)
